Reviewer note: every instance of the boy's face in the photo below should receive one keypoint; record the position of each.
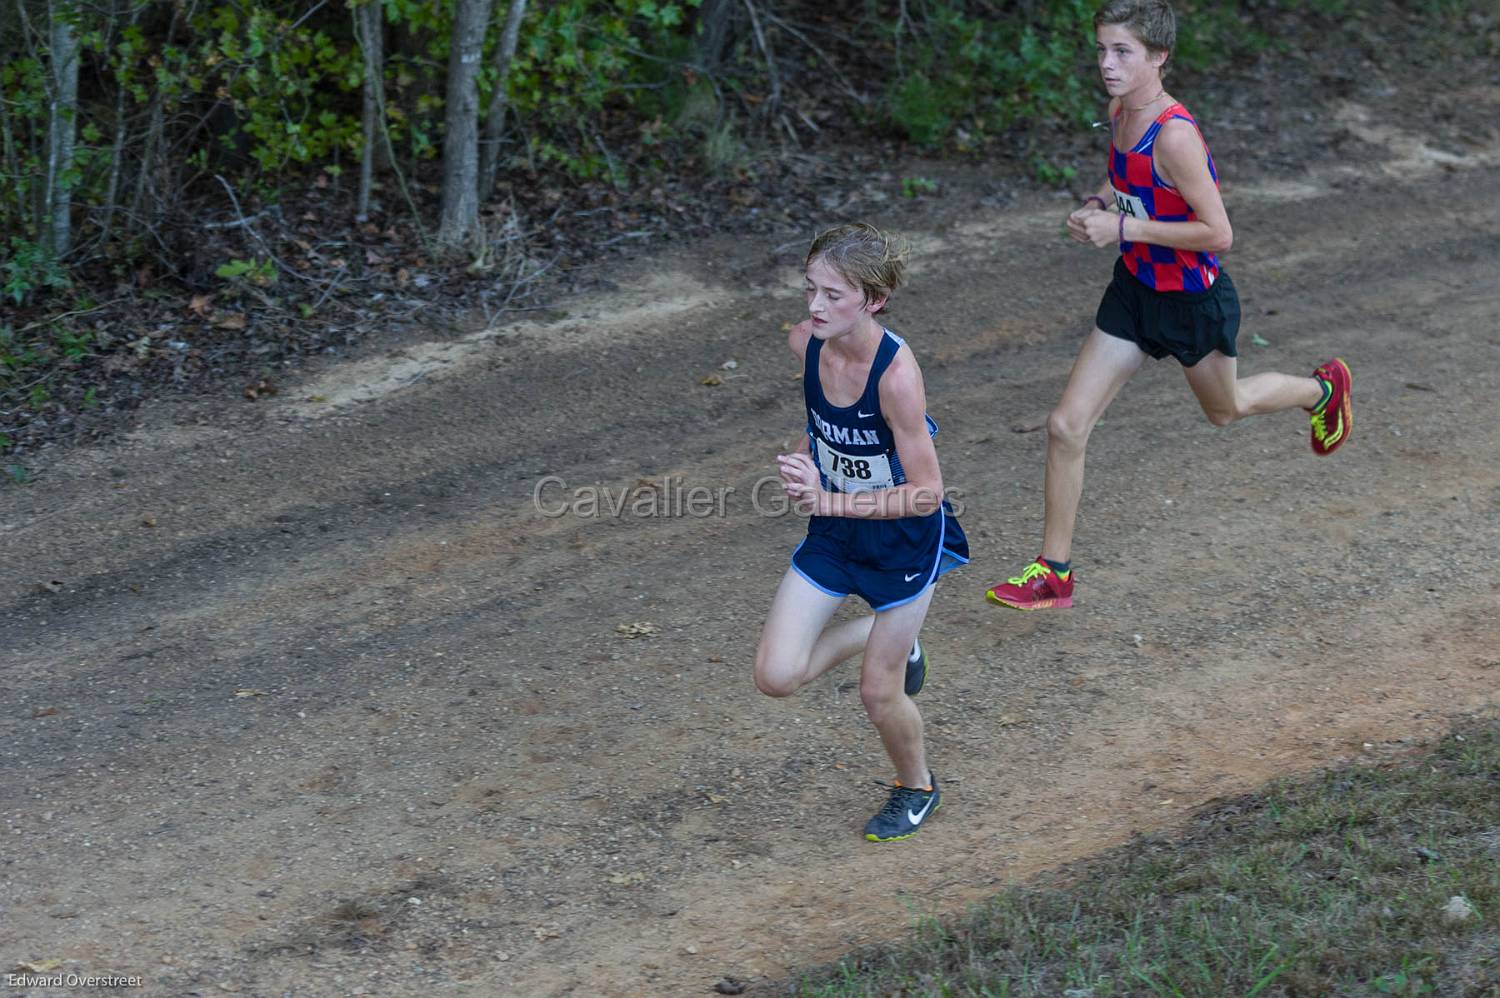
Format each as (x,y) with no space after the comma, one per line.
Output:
(1125,63)
(833,303)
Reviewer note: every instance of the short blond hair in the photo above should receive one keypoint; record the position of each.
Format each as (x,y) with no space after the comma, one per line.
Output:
(870,260)
(1152,21)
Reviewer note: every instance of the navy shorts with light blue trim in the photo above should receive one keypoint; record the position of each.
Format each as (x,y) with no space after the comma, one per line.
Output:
(887,563)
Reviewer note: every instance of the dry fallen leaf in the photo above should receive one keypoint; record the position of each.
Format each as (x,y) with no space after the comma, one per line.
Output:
(201,305)
(148,521)
(248,692)
(716,799)
(261,387)
(37,966)
(45,712)
(545,932)
(712,380)
(627,878)
(232,320)
(636,630)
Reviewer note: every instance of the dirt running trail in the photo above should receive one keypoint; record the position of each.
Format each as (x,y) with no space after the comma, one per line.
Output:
(324,704)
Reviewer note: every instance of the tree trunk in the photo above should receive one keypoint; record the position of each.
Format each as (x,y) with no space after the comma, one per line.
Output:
(461,140)
(714,32)
(150,146)
(62,127)
(494,118)
(122,133)
(369,28)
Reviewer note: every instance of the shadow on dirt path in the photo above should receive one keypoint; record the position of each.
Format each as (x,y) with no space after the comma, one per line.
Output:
(335,707)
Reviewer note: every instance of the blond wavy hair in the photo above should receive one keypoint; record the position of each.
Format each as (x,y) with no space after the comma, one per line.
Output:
(870,260)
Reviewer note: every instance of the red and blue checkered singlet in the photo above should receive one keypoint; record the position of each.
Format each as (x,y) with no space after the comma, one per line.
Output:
(1141,193)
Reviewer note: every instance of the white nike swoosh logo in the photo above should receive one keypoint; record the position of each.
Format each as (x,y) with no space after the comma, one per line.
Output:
(912,576)
(863,415)
(915,817)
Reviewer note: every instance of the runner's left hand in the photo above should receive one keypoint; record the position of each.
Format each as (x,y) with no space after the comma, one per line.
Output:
(799,476)
(1102,228)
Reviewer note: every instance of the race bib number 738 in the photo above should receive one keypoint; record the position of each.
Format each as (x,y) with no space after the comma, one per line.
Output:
(854,472)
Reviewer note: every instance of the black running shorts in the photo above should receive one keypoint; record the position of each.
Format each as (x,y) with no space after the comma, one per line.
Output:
(1187,325)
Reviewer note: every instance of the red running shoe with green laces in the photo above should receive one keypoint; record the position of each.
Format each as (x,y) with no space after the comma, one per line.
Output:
(1333,420)
(1036,588)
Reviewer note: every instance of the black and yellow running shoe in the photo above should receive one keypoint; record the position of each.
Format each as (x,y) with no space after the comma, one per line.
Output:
(904,812)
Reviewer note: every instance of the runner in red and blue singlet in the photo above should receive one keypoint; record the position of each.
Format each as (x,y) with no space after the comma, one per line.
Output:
(1169,294)
(1140,192)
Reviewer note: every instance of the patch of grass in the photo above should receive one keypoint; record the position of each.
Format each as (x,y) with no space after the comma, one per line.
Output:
(912,187)
(1335,885)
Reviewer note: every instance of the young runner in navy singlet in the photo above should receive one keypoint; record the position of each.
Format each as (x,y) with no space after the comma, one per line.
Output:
(868,474)
(1168,296)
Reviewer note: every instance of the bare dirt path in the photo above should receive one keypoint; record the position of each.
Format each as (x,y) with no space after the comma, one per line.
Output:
(321,703)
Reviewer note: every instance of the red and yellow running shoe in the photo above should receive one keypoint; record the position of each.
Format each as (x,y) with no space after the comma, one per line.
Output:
(1036,588)
(1333,420)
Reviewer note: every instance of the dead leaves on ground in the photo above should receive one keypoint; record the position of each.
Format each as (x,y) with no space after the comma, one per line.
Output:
(263,388)
(714,379)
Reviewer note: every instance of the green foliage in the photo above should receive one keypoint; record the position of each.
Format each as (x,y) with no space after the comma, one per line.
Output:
(260,91)
(1327,886)
(1214,31)
(1409,980)
(916,186)
(261,273)
(1047,172)
(287,82)
(580,58)
(961,64)
(23,106)
(27,268)
(924,108)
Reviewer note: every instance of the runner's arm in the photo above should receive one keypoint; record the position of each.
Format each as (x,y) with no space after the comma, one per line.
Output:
(1078,217)
(1182,161)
